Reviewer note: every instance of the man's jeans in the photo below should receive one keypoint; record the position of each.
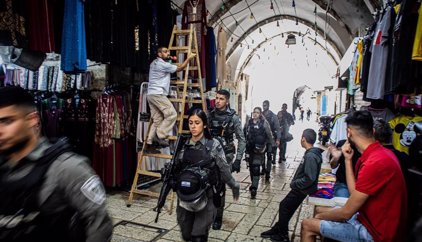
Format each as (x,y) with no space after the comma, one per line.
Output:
(351,230)
(341,190)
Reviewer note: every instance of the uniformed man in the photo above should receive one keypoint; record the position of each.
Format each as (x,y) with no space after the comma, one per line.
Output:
(258,138)
(224,124)
(199,194)
(48,193)
(286,120)
(275,130)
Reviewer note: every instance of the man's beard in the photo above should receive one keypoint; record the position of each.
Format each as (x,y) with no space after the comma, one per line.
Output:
(352,144)
(20,145)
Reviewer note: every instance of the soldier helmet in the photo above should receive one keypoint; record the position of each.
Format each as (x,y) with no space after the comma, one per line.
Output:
(192,185)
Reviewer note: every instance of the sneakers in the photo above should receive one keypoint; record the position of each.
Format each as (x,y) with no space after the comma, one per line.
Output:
(161,142)
(151,149)
(267,234)
(253,192)
(281,160)
(274,235)
(218,222)
(280,238)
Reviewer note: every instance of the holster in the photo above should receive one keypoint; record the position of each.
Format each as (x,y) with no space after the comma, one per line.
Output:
(217,194)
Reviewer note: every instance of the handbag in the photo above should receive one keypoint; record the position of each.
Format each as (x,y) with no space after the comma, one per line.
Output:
(288,137)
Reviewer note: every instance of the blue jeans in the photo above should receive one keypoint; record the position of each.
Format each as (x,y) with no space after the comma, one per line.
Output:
(341,190)
(351,230)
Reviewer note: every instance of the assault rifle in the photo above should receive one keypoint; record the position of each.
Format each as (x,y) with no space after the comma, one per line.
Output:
(167,175)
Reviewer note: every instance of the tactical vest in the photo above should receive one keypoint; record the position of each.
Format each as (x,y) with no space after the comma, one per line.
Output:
(269,118)
(220,123)
(22,218)
(255,132)
(199,173)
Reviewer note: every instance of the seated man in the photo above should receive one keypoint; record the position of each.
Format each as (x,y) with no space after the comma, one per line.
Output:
(304,183)
(377,207)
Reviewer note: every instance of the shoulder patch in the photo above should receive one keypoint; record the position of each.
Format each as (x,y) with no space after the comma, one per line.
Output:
(216,144)
(94,190)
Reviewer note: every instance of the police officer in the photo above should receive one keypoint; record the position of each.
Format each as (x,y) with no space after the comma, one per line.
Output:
(48,193)
(224,124)
(286,120)
(197,204)
(275,130)
(258,138)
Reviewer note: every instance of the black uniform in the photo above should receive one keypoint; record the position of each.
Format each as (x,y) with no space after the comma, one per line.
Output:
(223,126)
(52,195)
(275,130)
(286,120)
(258,136)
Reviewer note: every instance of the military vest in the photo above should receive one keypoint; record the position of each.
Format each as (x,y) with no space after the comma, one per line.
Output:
(256,134)
(198,173)
(269,118)
(222,128)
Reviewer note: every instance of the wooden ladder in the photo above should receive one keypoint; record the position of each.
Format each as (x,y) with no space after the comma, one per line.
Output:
(192,81)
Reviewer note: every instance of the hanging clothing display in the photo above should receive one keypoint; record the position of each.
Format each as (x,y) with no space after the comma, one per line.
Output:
(166,19)
(73,51)
(366,55)
(13,23)
(99,31)
(379,113)
(112,129)
(405,72)
(41,27)
(195,12)
(379,59)
(221,54)
(211,65)
(147,26)
(417,45)
(351,85)
(47,78)
(123,49)
(359,50)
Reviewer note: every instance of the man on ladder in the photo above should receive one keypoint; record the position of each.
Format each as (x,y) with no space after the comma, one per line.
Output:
(224,123)
(163,114)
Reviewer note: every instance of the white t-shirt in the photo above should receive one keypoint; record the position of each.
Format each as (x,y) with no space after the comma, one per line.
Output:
(339,131)
(159,77)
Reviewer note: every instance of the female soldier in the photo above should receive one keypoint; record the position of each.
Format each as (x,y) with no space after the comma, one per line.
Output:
(258,135)
(203,168)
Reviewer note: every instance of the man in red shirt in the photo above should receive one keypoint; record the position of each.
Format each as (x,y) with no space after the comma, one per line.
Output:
(377,207)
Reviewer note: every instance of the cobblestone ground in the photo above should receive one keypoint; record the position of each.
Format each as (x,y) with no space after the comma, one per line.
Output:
(243,220)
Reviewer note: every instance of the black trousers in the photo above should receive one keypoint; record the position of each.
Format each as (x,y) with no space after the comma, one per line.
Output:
(282,147)
(287,208)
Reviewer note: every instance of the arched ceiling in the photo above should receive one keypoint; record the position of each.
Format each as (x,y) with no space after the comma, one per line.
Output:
(251,24)
(338,21)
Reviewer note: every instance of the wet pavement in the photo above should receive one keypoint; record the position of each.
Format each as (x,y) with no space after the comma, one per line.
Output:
(243,220)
